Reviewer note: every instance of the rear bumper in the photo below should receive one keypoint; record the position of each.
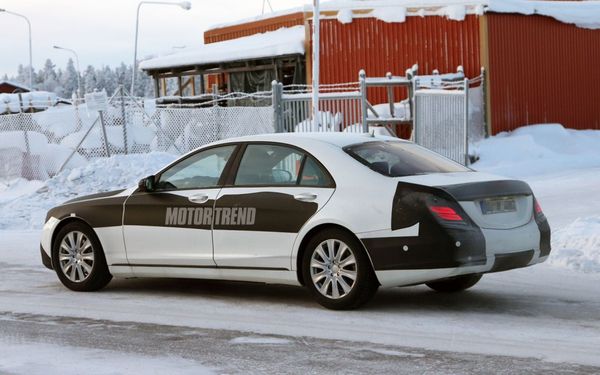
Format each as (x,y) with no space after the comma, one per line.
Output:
(413,260)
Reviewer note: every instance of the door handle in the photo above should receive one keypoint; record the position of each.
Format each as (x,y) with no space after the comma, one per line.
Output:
(198,198)
(305,197)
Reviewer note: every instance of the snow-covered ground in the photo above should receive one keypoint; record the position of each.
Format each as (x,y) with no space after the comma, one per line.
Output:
(550,311)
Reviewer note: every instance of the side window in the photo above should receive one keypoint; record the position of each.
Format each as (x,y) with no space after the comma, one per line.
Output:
(269,165)
(201,170)
(314,175)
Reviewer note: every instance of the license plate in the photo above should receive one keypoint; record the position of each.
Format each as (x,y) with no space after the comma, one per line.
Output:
(498,205)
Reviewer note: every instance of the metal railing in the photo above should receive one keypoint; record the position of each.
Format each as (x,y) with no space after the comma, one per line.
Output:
(339,108)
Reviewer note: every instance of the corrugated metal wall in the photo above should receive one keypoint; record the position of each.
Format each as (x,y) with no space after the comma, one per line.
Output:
(251,28)
(542,70)
(380,47)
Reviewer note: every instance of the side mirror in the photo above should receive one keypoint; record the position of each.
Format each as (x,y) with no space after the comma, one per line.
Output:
(146,184)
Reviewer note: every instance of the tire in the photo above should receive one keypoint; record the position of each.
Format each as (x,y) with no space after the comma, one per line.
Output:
(318,270)
(455,284)
(78,258)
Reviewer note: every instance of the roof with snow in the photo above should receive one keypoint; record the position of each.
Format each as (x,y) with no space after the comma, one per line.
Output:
(585,14)
(282,42)
(15,84)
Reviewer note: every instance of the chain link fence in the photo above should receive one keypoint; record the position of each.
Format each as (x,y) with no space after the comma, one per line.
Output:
(39,145)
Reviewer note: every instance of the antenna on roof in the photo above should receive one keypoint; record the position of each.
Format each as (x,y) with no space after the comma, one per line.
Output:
(263,6)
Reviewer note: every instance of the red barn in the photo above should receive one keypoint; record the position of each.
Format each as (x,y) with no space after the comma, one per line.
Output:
(541,57)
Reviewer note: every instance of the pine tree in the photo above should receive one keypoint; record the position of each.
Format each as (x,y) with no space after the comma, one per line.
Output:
(48,78)
(90,79)
(68,80)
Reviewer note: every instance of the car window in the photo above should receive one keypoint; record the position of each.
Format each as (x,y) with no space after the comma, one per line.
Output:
(266,164)
(313,174)
(397,159)
(201,170)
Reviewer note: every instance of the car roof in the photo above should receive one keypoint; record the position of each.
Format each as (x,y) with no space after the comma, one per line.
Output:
(339,139)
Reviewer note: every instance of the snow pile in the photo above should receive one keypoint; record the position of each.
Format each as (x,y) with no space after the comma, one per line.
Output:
(390,14)
(23,204)
(401,110)
(13,103)
(285,41)
(538,149)
(455,12)
(577,246)
(345,16)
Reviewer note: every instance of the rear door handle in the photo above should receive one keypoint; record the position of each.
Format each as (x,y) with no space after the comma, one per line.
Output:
(305,197)
(198,198)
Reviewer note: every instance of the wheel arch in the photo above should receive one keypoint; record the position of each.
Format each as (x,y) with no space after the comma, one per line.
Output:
(313,231)
(66,221)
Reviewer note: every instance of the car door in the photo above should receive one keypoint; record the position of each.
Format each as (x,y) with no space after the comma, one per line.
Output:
(273,192)
(171,225)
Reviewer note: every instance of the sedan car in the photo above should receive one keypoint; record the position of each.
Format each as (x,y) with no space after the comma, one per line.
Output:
(341,214)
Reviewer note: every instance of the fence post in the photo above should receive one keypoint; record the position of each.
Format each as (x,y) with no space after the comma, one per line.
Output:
(486,130)
(466,140)
(412,102)
(362,79)
(124,119)
(104,137)
(277,97)
(390,94)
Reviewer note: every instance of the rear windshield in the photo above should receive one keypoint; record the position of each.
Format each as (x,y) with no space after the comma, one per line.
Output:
(398,159)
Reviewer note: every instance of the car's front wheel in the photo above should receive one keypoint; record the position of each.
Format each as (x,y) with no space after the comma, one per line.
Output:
(78,259)
(455,284)
(337,272)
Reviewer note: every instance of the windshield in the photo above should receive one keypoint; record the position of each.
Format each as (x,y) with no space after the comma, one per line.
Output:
(398,159)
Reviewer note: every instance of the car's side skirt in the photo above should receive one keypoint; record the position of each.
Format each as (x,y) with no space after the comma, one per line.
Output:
(258,275)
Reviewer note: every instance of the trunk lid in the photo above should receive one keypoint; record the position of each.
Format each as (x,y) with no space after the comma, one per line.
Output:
(492,202)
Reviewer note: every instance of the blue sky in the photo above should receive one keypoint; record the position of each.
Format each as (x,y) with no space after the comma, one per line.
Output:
(102,31)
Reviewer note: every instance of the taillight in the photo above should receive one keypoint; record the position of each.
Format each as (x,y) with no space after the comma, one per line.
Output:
(537,209)
(445,213)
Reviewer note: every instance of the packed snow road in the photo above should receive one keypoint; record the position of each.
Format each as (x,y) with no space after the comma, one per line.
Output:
(541,313)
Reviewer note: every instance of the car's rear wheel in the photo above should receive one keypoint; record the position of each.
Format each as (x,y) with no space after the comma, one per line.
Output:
(78,258)
(455,284)
(337,272)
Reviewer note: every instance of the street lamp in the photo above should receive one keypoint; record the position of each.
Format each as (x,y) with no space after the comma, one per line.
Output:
(78,68)
(186,5)
(30,49)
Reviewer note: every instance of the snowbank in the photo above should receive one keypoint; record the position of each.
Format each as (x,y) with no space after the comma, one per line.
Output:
(23,204)
(577,246)
(548,157)
(538,149)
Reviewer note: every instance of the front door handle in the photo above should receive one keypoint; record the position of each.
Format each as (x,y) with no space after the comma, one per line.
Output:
(198,198)
(305,197)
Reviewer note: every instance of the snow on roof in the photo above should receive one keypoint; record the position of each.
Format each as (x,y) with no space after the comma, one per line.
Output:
(585,14)
(15,84)
(282,42)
